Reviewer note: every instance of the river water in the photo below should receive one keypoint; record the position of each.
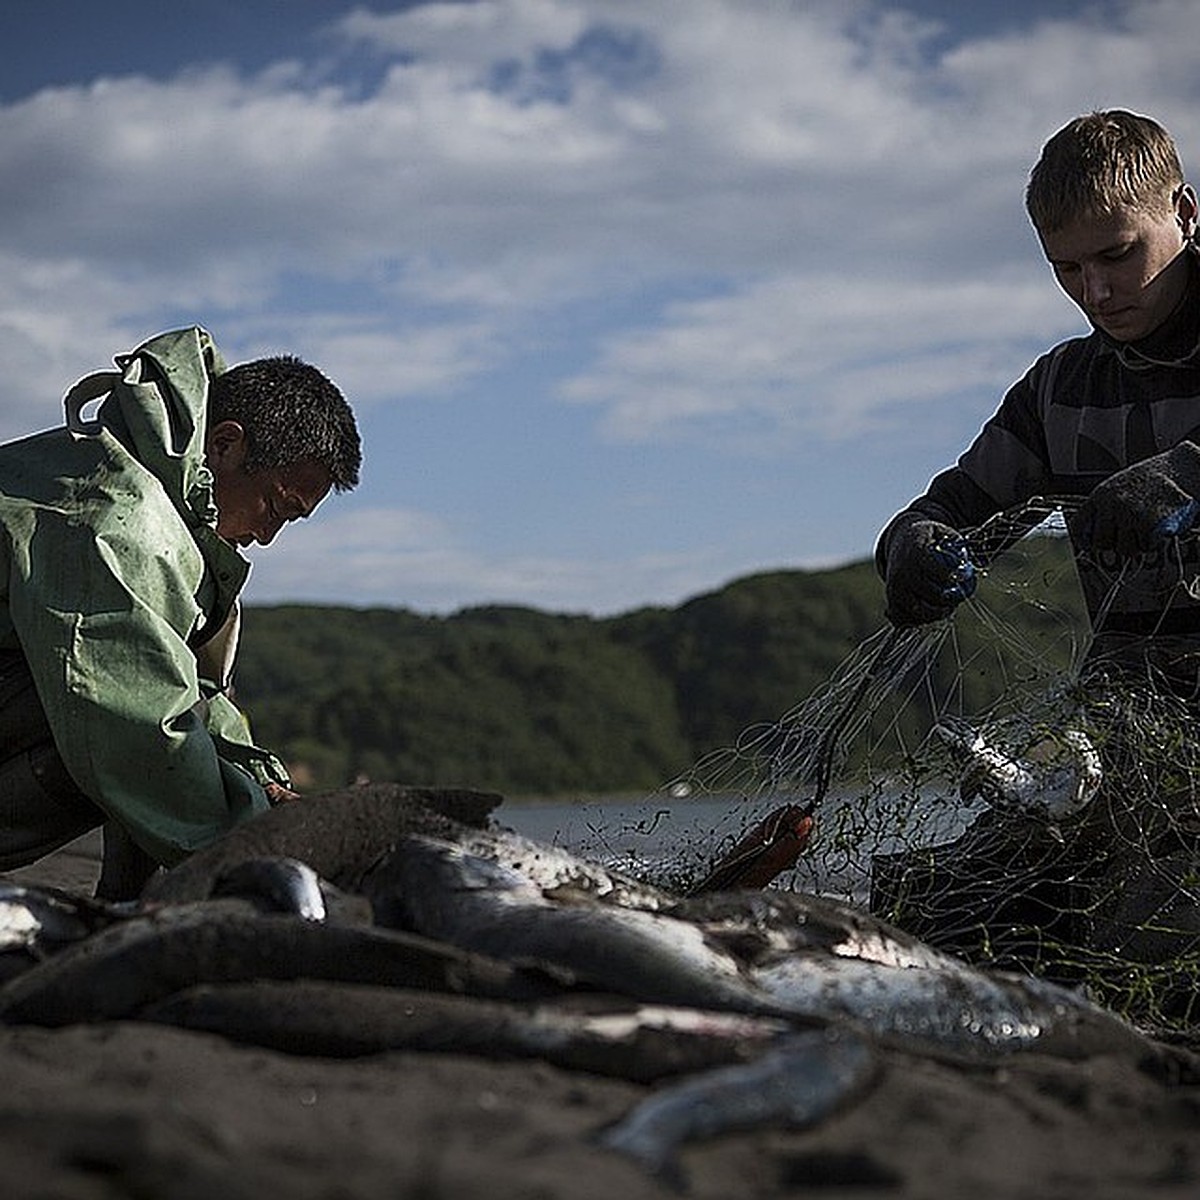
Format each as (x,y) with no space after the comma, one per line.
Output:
(661,839)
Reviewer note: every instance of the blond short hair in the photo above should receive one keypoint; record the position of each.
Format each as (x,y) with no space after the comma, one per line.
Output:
(1100,163)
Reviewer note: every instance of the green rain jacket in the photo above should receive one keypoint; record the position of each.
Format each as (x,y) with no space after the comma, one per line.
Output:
(123,598)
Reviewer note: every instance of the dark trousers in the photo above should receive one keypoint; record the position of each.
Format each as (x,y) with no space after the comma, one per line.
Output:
(41,808)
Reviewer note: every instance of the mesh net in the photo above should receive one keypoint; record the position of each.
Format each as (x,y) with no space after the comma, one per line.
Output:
(979,784)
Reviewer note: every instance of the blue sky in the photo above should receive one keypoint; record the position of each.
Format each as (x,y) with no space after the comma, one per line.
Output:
(628,305)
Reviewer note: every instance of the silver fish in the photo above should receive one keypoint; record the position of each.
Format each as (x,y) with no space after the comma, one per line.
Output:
(115,973)
(601,1035)
(828,959)
(1056,777)
(440,890)
(788,955)
(275,885)
(798,1083)
(823,958)
(36,922)
(561,874)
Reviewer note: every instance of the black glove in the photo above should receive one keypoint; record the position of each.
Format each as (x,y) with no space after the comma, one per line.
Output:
(929,572)
(1138,508)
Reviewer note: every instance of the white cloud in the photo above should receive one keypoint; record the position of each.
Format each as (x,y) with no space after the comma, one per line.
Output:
(402,558)
(829,356)
(377,360)
(762,224)
(757,140)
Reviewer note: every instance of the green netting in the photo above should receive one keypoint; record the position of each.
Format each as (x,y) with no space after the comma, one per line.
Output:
(981,784)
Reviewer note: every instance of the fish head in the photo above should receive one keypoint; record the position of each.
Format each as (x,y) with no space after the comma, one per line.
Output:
(274,885)
(1076,776)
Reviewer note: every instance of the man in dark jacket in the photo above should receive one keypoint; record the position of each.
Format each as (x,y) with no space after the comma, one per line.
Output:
(120,573)
(1110,417)
(1110,421)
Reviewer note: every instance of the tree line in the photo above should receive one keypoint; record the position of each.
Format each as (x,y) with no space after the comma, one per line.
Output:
(528,702)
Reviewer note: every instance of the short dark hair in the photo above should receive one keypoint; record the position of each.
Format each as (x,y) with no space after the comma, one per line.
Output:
(1099,163)
(291,413)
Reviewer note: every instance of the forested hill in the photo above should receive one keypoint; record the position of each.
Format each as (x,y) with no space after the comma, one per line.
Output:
(528,702)
(525,701)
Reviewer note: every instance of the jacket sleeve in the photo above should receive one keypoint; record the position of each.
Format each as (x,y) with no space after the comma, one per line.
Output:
(102,600)
(225,722)
(1004,466)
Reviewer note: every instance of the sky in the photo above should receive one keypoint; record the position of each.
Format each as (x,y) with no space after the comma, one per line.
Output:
(631,297)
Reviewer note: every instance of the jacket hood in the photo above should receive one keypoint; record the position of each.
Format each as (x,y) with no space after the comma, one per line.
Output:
(156,405)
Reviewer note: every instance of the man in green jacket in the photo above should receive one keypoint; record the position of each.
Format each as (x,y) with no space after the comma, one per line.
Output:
(119,581)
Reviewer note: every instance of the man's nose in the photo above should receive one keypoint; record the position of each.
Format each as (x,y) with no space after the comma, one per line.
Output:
(268,533)
(1096,286)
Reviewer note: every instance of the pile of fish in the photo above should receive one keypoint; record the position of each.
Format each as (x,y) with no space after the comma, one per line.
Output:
(386,918)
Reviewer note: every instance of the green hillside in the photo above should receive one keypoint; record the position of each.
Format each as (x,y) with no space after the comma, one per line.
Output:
(528,702)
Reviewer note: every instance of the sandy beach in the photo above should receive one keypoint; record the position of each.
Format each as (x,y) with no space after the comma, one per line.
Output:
(131,1109)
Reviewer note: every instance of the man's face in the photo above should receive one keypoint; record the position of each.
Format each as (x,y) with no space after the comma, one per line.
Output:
(1126,270)
(255,506)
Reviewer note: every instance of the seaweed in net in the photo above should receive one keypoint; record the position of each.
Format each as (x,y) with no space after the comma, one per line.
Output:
(982,784)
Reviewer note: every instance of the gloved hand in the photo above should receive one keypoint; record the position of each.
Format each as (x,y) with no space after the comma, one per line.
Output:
(1138,508)
(929,572)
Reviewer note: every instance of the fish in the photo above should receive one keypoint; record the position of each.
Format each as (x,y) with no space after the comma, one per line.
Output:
(603,1035)
(276,885)
(769,849)
(121,969)
(287,885)
(1056,778)
(834,961)
(443,891)
(806,959)
(798,1083)
(559,874)
(340,835)
(37,922)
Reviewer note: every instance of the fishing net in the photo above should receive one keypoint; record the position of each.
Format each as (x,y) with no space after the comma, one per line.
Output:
(981,783)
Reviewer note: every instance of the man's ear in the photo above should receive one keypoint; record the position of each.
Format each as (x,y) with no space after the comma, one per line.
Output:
(225,447)
(1187,210)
